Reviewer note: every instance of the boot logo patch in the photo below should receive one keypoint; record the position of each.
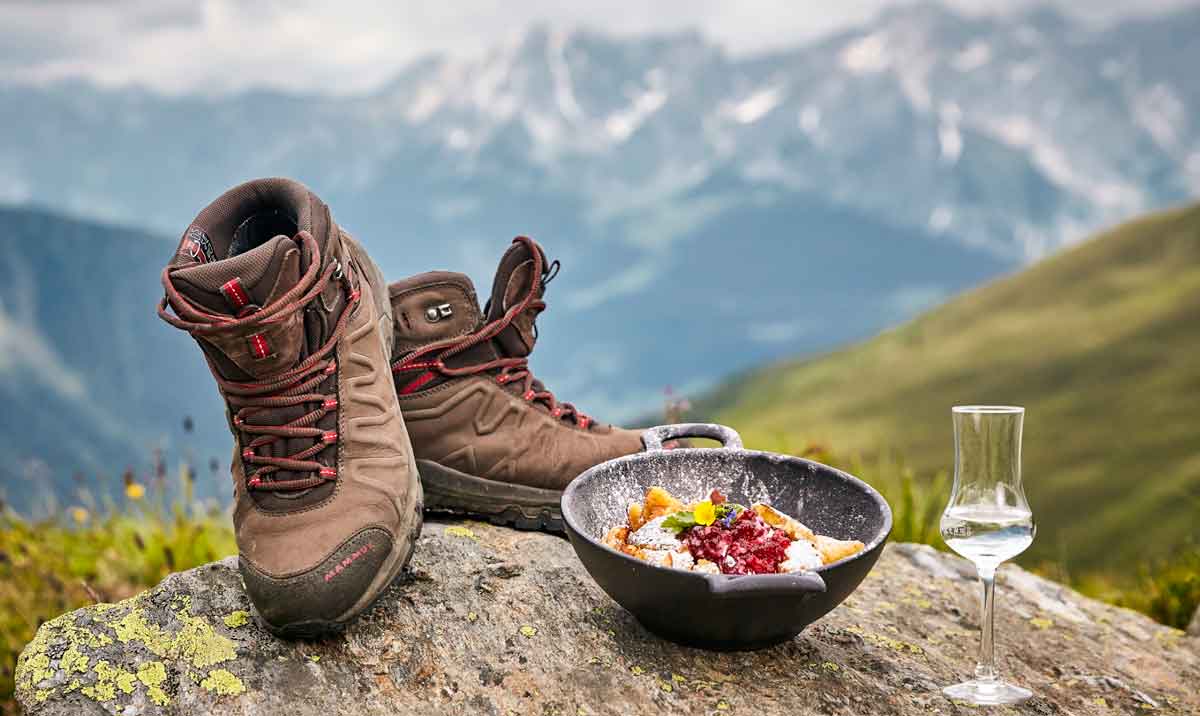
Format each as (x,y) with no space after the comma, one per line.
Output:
(353,557)
(197,246)
(433,314)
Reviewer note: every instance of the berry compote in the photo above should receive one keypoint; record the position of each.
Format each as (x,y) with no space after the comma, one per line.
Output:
(747,546)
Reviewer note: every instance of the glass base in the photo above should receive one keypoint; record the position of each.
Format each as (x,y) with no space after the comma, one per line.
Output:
(987,692)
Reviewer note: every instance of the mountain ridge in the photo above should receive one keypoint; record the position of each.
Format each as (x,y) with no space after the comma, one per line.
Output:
(1095,342)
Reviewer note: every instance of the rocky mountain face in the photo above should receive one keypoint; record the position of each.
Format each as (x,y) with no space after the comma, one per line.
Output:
(494,621)
(712,212)
(92,382)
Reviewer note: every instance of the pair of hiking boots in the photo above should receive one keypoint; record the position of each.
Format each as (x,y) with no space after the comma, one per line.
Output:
(354,405)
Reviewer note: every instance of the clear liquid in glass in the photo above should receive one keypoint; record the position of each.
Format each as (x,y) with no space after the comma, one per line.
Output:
(986,534)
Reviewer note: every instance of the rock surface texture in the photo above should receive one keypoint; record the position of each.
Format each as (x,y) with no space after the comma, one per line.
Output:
(494,621)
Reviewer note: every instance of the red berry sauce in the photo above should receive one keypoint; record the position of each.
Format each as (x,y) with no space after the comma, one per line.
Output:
(749,546)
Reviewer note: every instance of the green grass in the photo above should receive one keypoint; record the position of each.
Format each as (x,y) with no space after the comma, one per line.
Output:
(1101,343)
(93,552)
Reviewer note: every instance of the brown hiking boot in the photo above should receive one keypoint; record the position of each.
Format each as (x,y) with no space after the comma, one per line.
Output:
(490,439)
(293,319)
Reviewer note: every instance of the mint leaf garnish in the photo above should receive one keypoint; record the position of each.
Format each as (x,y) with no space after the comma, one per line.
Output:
(679,522)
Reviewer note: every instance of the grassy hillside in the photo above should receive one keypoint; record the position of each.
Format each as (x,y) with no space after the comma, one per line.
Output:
(1100,343)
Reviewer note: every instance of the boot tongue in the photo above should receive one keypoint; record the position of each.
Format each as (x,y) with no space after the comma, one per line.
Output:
(263,273)
(515,281)
(241,284)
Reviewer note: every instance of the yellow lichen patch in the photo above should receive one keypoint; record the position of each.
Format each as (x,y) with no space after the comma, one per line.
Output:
(1041,623)
(36,670)
(134,627)
(460,531)
(109,680)
(73,660)
(237,619)
(918,601)
(100,692)
(158,696)
(200,645)
(220,681)
(665,686)
(196,644)
(152,673)
(528,632)
(637,670)
(1168,637)
(886,641)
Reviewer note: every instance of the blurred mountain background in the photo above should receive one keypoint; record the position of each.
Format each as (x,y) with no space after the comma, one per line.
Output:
(714,211)
(1097,342)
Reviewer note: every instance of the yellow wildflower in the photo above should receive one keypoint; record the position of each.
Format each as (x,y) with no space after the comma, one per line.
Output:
(79,514)
(705,513)
(135,491)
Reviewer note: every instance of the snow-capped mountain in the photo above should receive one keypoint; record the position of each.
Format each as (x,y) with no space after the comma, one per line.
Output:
(711,211)
(1013,133)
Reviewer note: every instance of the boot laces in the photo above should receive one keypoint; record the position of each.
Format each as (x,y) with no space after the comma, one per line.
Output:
(432,358)
(292,387)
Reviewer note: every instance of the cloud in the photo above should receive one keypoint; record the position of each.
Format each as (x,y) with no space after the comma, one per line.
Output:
(213,46)
(777,331)
(911,300)
(628,282)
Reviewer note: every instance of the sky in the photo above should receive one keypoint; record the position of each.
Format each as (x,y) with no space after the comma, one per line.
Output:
(215,46)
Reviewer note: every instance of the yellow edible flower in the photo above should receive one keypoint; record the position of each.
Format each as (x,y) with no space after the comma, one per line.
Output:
(135,491)
(705,513)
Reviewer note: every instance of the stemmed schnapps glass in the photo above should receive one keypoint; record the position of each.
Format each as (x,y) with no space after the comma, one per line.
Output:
(988,521)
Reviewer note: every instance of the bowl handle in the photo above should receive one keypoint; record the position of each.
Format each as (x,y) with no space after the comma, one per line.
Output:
(766,585)
(653,438)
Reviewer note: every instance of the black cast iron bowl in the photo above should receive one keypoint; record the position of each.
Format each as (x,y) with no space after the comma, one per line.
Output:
(721,611)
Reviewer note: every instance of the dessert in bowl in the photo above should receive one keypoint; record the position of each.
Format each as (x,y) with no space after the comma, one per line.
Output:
(739,605)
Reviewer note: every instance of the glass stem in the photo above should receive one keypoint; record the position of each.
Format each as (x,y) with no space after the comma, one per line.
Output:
(985,669)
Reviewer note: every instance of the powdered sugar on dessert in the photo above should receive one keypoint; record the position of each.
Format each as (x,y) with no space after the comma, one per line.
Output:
(715,536)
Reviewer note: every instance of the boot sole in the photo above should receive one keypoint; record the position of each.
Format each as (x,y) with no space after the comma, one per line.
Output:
(448,491)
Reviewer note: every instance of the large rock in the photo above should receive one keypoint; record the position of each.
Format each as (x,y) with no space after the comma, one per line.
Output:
(494,621)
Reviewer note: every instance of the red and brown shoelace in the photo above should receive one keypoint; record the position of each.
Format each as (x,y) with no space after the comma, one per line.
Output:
(292,387)
(431,360)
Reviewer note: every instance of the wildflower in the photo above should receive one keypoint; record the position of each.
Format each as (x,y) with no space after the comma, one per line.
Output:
(79,514)
(705,513)
(135,491)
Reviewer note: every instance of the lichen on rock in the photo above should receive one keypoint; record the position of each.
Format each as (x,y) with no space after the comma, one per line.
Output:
(112,653)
